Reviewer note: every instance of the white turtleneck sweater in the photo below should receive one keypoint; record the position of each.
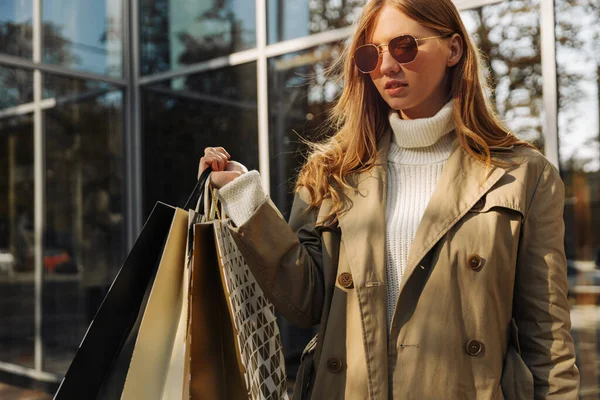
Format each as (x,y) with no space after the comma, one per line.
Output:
(418,152)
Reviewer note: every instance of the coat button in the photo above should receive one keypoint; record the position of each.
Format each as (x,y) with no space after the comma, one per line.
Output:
(475,262)
(345,280)
(478,206)
(474,347)
(334,364)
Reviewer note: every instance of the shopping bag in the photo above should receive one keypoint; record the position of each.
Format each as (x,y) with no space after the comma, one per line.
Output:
(258,341)
(103,360)
(157,366)
(246,336)
(151,359)
(213,363)
(114,320)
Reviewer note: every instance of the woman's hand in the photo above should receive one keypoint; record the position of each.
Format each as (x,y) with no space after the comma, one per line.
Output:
(224,170)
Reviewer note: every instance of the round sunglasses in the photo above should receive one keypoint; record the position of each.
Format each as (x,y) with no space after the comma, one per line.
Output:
(403,49)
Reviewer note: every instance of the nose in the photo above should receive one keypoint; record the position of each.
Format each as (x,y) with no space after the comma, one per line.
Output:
(389,66)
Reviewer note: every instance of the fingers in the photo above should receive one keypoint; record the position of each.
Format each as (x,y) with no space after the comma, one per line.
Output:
(214,157)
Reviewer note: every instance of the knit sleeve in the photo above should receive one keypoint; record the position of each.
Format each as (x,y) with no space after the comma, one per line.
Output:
(242,196)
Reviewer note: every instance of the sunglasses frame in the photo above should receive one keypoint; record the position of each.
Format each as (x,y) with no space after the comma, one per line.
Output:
(380,49)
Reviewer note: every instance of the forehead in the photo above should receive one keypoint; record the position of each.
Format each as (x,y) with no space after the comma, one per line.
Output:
(390,23)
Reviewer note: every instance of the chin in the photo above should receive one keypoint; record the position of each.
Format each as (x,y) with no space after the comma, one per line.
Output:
(398,104)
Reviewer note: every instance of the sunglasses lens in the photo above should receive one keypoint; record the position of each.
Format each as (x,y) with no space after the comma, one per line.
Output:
(366,58)
(403,49)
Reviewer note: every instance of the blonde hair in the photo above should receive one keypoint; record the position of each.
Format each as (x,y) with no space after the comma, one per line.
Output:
(359,117)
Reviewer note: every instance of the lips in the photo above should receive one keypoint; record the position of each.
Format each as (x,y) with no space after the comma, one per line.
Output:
(395,84)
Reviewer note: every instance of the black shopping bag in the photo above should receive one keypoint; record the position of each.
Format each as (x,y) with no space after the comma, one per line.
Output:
(117,315)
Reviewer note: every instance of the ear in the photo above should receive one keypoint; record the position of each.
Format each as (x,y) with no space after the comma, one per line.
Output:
(456,50)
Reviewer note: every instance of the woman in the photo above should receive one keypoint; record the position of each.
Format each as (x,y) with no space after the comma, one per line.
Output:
(425,238)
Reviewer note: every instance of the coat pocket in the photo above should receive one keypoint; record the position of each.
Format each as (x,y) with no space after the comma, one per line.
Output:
(517,379)
(306,372)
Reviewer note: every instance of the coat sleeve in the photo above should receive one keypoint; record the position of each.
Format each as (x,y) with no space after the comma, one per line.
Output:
(541,308)
(286,258)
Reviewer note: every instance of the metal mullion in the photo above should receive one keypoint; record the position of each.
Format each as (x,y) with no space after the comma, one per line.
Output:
(17,62)
(39,185)
(262,94)
(238,58)
(31,373)
(26,108)
(307,42)
(549,85)
(189,95)
(133,132)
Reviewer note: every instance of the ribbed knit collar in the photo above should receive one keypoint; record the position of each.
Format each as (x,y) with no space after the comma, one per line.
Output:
(424,140)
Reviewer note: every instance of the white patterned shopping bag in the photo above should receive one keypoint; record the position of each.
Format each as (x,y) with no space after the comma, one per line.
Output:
(258,339)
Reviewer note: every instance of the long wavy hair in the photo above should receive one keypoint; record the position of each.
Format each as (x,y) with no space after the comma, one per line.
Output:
(360,116)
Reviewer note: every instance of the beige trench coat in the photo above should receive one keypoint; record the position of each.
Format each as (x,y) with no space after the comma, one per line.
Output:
(482,311)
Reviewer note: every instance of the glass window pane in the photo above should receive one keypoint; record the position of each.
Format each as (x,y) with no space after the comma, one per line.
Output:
(175,33)
(300,95)
(84,238)
(62,88)
(16,87)
(578,65)
(15,28)
(508,35)
(183,116)
(84,35)
(290,19)
(17,324)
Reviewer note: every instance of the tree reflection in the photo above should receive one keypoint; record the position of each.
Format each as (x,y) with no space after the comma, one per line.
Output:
(170,38)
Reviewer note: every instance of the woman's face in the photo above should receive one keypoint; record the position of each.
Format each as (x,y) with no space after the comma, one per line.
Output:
(417,89)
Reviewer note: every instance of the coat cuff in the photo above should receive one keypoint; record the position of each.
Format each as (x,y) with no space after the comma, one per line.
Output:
(242,196)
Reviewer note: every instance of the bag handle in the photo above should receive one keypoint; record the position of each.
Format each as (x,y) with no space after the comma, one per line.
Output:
(213,208)
(197,199)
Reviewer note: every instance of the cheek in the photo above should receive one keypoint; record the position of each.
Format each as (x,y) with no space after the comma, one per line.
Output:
(426,71)
(377,81)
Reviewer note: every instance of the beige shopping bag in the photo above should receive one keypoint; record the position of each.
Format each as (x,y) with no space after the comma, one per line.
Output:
(155,356)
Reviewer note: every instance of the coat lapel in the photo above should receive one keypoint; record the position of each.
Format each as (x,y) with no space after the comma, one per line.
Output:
(363,239)
(363,225)
(464,180)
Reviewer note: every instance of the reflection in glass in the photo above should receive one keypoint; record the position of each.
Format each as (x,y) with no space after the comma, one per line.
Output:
(183,116)
(17,325)
(508,34)
(84,216)
(16,87)
(578,64)
(290,19)
(174,33)
(300,95)
(85,35)
(15,28)
(65,89)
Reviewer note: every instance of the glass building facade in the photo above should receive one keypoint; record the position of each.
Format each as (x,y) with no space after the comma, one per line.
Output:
(106,107)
